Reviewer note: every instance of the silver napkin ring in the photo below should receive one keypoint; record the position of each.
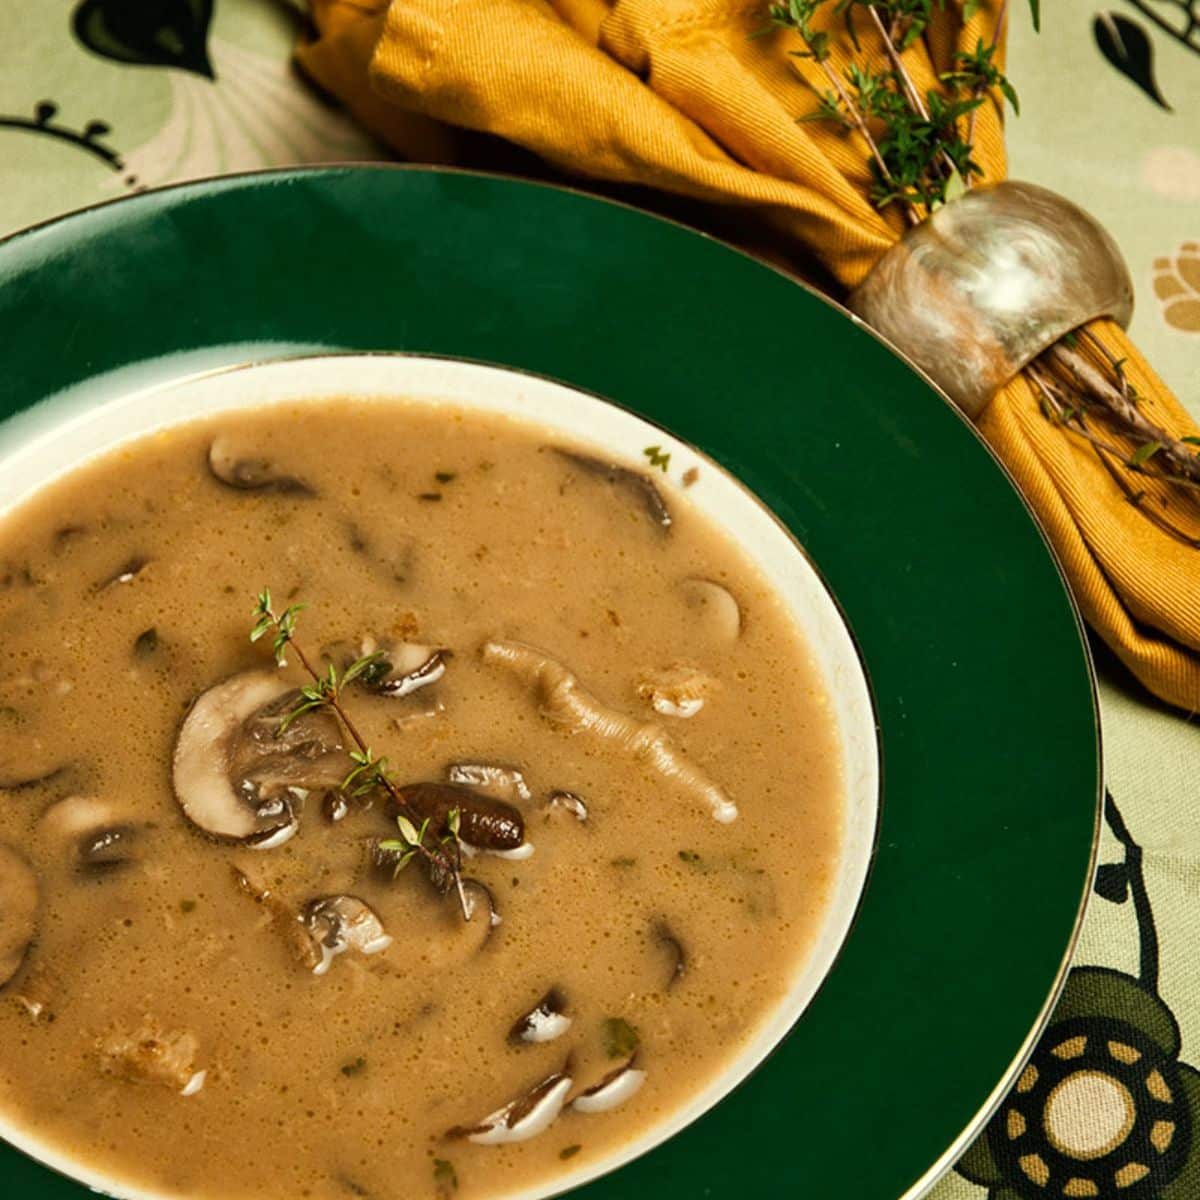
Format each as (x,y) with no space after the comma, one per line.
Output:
(989,281)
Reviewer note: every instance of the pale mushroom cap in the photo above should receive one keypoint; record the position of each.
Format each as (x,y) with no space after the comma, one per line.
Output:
(202,761)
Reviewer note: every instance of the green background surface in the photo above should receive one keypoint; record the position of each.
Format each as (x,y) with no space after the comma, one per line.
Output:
(975,656)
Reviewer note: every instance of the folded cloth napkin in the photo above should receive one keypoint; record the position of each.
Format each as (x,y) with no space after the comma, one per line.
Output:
(680,96)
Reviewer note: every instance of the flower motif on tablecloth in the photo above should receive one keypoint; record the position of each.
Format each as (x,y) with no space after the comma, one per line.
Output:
(1105,1108)
(1177,286)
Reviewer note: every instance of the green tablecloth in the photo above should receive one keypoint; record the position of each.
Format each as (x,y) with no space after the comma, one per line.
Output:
(1111,1108)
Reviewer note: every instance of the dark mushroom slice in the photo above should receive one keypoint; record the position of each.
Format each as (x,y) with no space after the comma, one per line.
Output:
(665,937)
(571,802)
(230,465)
(125,573)
(714,607)
(523,1118)
(340,923)
(236,776)
(146,643)
(18,911)
(633,483)
(38,991)
(410,666)
(493,779)
(613,1090)
(484,823)
(397,669)
(92,834)
(564,701)
(544,1022)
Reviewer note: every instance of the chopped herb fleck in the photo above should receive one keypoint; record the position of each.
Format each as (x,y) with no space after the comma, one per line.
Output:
(445,1177)
(623,862)
(689,856)
(430,497)
(445,476)
(357,1067)
(657,457)
(620,1038)
(187,906)
(569,1151)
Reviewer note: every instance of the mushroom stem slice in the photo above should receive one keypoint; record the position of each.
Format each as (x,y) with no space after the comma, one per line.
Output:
(612,1091)
(18,911)
(340,923)
(566,702)
(523,1118)
(664,935)
(544,1022)
(570,802)
(715,608)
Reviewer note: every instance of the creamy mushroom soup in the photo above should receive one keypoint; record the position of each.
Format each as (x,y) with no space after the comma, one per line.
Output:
(507,878)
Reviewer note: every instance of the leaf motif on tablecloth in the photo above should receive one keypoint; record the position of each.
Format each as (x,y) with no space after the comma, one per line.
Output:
(258,115)
(152,33)
(1105,1107)
(1128,47)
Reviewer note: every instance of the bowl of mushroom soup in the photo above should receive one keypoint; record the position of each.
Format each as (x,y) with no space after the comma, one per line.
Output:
(463,716)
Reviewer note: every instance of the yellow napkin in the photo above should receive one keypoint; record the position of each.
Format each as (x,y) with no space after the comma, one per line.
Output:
(678,96)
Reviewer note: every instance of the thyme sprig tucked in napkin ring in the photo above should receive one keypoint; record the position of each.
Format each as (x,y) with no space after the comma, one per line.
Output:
(692,97)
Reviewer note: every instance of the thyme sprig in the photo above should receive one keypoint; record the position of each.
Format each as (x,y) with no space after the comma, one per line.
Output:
(921,151)
(920,144)
(370,772)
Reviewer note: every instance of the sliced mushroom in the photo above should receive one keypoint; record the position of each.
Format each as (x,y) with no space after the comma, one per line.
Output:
(18,911)
(523,1118)
(151,1054)
(632,483)
(33,781)
(493,779)
(484,823)
(399,668)
(92,831)
(544,1022)
(714,607)
(570,802)
(38,991)
(234,468)
(563,700)
(340,923)
(236,776)
(665,937)
(612,1091)
(679,691)
(125,573)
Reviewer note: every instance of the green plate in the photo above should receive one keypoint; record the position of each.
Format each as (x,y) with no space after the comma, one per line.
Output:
(976,656)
